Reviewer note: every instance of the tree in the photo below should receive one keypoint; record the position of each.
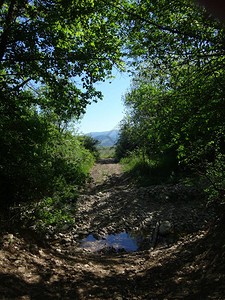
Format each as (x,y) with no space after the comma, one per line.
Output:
(53,51)
(128,139)
(52,44)
(51,54)
(90,144)
(182,109)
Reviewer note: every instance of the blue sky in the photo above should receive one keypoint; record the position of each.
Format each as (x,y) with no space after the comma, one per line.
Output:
(107,113)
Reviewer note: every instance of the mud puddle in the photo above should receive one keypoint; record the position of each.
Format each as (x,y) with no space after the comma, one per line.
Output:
(125,242)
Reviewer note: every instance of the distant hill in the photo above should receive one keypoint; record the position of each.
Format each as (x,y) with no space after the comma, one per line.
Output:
(106,138)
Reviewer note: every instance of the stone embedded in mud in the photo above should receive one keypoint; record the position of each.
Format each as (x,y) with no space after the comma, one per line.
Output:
(96,235)
(65,228)
(165,228)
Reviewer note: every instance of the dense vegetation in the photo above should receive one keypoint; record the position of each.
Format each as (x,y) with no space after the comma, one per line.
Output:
(175,106)
(107,152)
(51,55)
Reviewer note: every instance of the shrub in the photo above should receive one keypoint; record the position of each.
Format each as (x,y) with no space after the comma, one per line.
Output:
(90,144)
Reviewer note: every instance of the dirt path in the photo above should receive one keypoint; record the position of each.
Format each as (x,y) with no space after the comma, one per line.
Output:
(112,205)
(190,268)
(104,169)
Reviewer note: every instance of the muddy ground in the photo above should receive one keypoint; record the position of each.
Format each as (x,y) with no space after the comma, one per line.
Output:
(192,267)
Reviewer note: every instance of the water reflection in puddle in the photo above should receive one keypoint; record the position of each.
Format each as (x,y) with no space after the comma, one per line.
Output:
(123,241)
(118,241)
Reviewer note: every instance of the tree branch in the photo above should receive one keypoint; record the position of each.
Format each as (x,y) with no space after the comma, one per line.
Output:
(78,58)
(138,17)
(21,85)
(5,33)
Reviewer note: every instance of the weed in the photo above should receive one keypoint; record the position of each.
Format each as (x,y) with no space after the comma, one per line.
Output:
(107,152)
(146,172)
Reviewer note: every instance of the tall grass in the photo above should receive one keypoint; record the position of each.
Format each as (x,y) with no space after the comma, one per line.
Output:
(107,152)
(147,172)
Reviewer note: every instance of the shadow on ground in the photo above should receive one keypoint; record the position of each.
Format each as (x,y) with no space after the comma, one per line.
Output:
(194,270)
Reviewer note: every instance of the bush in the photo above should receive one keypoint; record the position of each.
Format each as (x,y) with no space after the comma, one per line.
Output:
(41,167)
(158,170)
(107,152)
(90,144)
(24,166)
(51,213)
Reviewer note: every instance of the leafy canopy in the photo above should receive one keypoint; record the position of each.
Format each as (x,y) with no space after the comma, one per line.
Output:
(176,101)
(61,47)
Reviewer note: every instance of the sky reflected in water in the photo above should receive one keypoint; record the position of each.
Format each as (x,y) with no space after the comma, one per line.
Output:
(118,241)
